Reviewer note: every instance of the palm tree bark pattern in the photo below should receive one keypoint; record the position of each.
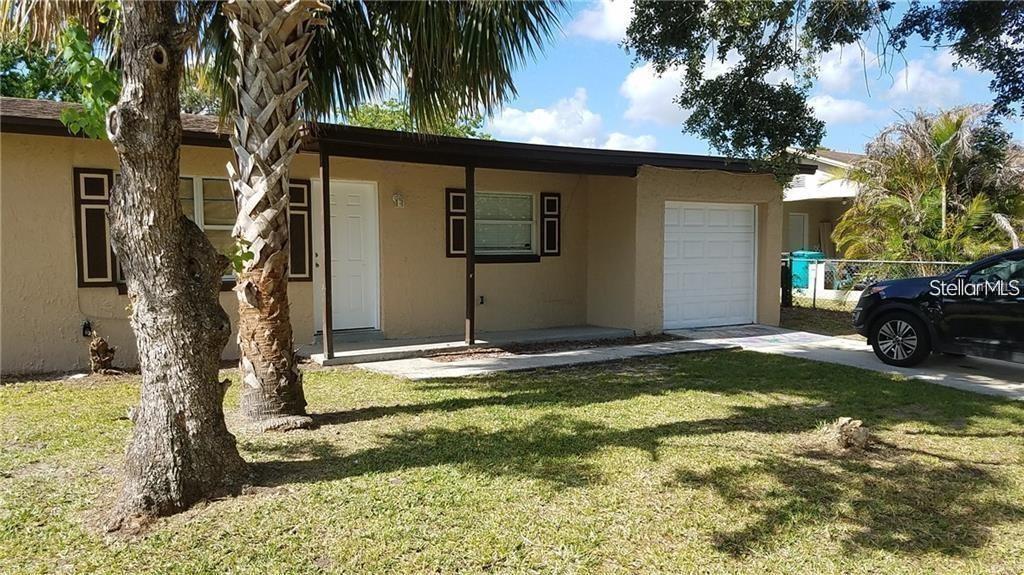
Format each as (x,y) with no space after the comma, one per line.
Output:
(270,40)
(180,451)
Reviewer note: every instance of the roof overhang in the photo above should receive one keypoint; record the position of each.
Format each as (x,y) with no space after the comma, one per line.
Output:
(50,127)
(368,143)
(350,141)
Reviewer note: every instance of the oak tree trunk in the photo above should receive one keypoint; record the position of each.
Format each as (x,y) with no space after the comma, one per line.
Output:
(180,451)
(270,42)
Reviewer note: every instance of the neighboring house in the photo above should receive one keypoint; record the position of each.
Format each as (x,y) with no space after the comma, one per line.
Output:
(564,236)
(815,202)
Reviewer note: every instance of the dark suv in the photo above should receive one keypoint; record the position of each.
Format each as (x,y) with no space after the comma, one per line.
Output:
(975,310)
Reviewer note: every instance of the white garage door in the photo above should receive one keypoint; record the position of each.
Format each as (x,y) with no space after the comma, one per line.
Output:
(709,264)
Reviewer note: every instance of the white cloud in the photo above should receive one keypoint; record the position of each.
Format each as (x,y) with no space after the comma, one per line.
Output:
(925,83)
(607,20)
(567,122)
(840,111)
(620,141)
(840,67)
(945,59)
(652,97)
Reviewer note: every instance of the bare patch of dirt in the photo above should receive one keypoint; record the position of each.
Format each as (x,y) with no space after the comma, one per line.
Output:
(508,350)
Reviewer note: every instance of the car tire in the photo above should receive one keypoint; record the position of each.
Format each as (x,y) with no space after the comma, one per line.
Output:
(900,339)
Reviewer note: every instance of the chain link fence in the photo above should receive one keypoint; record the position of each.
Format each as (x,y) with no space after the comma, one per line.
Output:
(837,284)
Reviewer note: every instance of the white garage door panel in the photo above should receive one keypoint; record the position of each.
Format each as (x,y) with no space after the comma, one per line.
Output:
(709,264)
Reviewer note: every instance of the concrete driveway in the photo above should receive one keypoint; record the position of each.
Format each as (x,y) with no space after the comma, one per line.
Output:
(967,373)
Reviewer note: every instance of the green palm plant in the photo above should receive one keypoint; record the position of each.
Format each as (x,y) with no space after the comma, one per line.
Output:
(945,186)
(286,61)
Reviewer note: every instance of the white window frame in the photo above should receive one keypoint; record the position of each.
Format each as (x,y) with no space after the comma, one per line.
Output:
(199,214)
(534,247)
(199,203)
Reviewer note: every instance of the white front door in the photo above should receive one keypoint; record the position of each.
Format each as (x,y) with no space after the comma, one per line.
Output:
(797,239)
(355,259)
(710,263)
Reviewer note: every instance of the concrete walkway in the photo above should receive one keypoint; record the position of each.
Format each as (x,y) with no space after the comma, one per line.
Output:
(362,346)
(966,373)
(423,368)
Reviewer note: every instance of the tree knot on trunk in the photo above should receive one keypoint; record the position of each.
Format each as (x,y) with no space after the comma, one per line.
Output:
(114,127)
(158,56)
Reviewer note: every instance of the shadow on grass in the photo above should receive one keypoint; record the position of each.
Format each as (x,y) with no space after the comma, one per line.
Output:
(895,503)
(839,390)
(552,448)
(899,505)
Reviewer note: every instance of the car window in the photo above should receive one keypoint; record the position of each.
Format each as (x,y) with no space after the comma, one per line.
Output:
(1005,269)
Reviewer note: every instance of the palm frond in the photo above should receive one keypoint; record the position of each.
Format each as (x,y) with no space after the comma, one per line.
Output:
(442,58)
(44,20)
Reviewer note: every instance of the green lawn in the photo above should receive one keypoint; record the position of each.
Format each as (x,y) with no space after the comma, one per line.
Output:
(823,321)
(697,463)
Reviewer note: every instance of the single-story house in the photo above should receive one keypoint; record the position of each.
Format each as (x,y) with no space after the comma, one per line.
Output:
(560,236)
(815,202)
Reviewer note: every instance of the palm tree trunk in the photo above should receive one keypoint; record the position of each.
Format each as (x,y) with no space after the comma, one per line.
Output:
(271,38)
(180,451)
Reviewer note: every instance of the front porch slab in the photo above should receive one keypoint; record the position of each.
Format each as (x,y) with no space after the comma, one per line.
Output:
(424,368)
(347,351)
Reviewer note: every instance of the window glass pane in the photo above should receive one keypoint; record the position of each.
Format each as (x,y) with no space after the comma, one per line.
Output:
(186,195)
(502,237)
(1003,270)
(218,203)
(222,241)
(504,207)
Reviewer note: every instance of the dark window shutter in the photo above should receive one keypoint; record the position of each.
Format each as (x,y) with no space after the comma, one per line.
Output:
(455,222)
(93,253)
(550,224)
(300,231)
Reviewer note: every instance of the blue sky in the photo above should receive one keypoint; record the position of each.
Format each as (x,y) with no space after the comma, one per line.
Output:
(584,90)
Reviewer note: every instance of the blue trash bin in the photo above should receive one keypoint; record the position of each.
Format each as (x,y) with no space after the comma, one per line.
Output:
(801,261)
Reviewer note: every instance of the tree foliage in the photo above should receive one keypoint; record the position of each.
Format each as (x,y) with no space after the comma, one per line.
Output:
(394,115)
(199,91)
(947,186)
(98,85)
(986,35)
(34,72)
(758,107)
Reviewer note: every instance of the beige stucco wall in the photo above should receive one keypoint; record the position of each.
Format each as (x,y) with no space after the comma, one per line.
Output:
(422,292)
(655,186)
(609,272)
(41,307)
(611,256)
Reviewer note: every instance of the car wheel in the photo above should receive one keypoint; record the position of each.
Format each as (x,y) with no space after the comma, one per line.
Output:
(900,339)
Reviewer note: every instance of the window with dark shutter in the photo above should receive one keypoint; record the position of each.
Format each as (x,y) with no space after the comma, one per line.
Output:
(94,255)
(455,222)
(550,224)
(301,234)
